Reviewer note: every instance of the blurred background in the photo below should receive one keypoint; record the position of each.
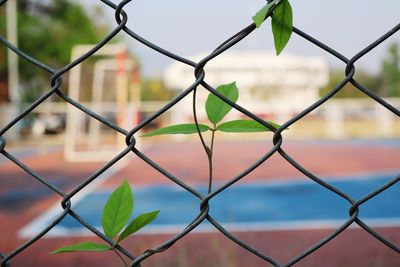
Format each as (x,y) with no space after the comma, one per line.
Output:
(126,82)
(48,32)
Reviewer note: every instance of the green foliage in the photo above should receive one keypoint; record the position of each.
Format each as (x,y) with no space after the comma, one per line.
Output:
(371,81)
(178,129)
(117,210)
(282,25)
(153,89)
(216,110)
(390,72)
(282,21)
(55,27)
(137,224)
(85,246)
(47,30)
(384,83)
(244,126)
(116,214)
(261,15)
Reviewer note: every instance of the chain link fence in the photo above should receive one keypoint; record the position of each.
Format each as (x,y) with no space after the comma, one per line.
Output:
(121,18)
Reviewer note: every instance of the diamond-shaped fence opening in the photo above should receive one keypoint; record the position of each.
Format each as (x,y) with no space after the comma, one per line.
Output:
(203,203)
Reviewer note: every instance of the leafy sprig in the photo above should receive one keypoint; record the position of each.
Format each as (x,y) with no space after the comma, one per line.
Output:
(282,21)
(116,214)
(216,110)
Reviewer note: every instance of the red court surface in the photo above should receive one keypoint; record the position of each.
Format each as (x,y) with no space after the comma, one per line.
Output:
(22,199)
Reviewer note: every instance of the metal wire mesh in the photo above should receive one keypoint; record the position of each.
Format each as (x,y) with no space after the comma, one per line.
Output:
(121,19)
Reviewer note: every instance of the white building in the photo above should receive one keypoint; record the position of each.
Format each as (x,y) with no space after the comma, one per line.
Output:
(268,84)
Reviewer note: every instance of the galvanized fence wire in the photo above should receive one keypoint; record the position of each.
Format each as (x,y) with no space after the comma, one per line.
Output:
(121,18)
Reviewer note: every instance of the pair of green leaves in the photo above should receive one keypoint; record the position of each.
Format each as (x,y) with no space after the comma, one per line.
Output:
(282,21)
(216,110)
(116,214)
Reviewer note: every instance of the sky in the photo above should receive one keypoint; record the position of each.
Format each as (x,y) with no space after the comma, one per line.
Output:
(191,27)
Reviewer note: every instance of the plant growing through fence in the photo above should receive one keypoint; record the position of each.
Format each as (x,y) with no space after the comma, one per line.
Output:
(120,204)
(116,214)
(281,13)
(216,110)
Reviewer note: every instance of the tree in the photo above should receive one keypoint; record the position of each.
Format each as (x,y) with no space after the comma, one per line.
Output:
(153,89)
(47,31)
(371,81)
(390,71)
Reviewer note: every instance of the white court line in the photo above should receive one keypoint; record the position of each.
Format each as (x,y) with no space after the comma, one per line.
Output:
(237,227)
(32,228)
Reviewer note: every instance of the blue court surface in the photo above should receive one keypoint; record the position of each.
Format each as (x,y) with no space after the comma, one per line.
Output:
(250,206)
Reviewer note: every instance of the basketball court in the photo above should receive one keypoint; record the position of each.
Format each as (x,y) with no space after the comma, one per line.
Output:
(275,208)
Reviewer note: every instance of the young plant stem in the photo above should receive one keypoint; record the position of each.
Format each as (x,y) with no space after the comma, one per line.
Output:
(120,257)
(207,149)
(210,160)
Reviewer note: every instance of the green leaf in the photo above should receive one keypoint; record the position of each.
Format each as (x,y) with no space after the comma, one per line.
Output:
(117,210)
(188,128)
(260,16)
(216,108)
(244,126)
(282,25)
(138,223)
(85,246)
